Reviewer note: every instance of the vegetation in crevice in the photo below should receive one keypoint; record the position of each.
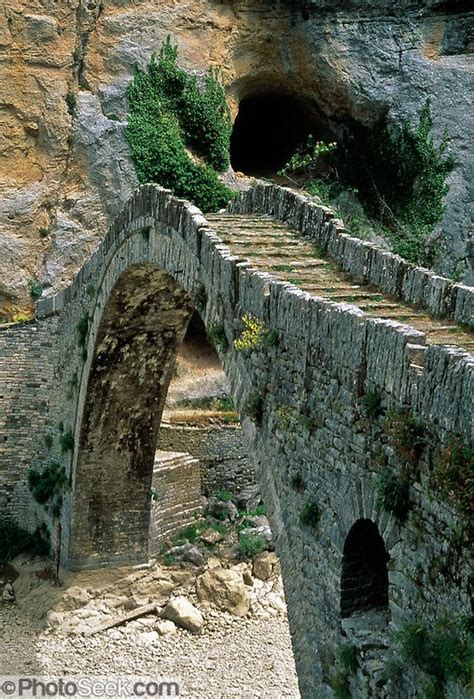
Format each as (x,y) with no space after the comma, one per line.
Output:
(372,403)
(172,113)
(47,487)
(453,475)
(35,288)
(444,653)
(310,514)
(408,434)
(217,337)
(253,407)
(394,493)
(255,335)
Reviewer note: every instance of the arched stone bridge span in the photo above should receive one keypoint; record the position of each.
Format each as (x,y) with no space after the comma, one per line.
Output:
(325,407)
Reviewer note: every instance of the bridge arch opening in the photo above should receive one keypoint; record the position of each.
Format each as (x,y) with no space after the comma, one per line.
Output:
(269,127)
(364,578)
(141,328)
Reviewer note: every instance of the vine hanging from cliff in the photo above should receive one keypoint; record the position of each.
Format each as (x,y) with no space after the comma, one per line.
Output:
(179,130)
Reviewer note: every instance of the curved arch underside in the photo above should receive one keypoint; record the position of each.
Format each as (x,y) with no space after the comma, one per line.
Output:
(142,327)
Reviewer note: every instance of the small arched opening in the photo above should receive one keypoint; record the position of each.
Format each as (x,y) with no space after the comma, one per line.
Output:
(364,579)
(268,129)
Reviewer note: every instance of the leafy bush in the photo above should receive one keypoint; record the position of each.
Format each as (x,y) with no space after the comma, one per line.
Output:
(225,496)
(15,540)
(454,474)
(253,407)
(217,337)
(408,434)
(66,441)
(394,494)
(310,514)
(401,174)
(348,658)
(251,544)
(254,335)
(170,112)
(47,487)
(298,483)
(445,653)
(36,289)
(372,403)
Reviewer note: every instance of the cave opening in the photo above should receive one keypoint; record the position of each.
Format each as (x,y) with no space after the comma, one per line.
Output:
(268,129)
(364,579)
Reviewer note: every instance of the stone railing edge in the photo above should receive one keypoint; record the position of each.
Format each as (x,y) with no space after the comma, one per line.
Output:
(415,285)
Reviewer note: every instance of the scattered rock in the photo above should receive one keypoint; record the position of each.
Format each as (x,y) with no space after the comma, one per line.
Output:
(8,594)
(224,589)
(248,498)
(164,627)
(211,536)
(184,614)
(222,510)
(213,562)
(188,552)
(147,637)
(264,565)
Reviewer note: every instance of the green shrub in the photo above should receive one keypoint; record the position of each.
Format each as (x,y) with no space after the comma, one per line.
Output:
(445,653)
(81,328)
(36,289)
(298,483)
(251,544)
(253,407)
(372,403)
(454,474)
(66,441)
(225,495)
(310,514)
(408,434)
(394,494)
(15,540)
(217,337)
(340,685)
(48,440)
(170,112)
(401,174)
(348,658)
(47,485)
(71,102)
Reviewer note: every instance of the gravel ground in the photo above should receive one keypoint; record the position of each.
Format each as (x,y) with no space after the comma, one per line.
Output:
(237,658)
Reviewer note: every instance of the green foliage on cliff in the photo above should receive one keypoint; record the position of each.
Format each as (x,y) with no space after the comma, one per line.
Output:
(402,178)
(385,179)
(171,113)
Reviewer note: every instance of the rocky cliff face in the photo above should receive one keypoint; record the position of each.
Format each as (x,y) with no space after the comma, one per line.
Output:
(65,164)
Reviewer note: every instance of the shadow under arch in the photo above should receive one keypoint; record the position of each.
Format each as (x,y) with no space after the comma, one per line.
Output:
(364,576)
(141,328)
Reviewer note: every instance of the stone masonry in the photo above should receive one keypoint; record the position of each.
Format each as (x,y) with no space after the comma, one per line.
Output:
(98,361)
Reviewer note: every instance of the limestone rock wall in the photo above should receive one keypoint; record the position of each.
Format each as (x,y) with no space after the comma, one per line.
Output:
(65,167)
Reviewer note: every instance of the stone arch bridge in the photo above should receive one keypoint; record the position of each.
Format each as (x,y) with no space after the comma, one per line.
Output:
(364,347)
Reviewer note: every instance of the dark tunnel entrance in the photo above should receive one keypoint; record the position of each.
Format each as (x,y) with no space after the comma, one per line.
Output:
(268,129)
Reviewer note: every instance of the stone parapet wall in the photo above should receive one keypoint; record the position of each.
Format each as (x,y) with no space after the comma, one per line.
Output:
(364,260)
(221,451)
